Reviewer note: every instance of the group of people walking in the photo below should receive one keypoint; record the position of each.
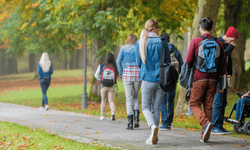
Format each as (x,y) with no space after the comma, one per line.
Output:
(138,64)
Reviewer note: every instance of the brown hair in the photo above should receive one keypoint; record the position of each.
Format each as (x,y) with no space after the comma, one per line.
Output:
(149,26)
(131,39)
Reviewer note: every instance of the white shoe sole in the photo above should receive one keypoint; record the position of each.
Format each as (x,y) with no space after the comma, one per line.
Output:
(218,133)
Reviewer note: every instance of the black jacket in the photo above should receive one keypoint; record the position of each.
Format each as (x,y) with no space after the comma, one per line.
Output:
(228,49)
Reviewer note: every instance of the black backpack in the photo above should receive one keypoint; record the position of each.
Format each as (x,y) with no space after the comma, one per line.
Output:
(107,75)
(168,76)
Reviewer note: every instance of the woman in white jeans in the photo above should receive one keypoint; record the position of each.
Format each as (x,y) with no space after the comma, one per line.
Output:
(130,75)
(148,52)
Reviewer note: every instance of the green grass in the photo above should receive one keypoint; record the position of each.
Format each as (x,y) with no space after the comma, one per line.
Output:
(247,65)
(14,136)
(56,74)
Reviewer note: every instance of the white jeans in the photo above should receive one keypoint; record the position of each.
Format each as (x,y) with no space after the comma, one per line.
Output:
(151,98)
(132,89)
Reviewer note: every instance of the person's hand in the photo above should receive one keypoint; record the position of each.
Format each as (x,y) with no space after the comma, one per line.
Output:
(233,43)
(244,95)
(222,91)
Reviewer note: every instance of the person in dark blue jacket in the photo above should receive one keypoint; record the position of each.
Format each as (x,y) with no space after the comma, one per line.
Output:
(44,70)
(148,54)
(168,114)
(228,41)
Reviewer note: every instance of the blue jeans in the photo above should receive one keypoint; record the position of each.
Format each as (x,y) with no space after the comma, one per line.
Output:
(167,114)
(45,85)
(239,106)
(151,99)
(220,102)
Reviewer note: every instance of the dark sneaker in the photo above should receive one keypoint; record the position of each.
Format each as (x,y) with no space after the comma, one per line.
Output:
(216,130)
(113,117)
(207,131)
(225,131)
(165,128)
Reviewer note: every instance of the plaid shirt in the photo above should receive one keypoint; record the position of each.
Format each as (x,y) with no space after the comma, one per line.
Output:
(130,73)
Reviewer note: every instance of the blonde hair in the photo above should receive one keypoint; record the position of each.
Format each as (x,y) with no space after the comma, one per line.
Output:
(131,39)
(45,62)
(149,26)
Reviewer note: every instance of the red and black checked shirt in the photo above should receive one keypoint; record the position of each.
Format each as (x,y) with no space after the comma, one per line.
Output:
(130,73)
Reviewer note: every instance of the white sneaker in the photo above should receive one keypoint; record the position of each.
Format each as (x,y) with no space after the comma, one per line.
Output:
(149,140)
(46,107)
(153,138)
(41,108)
(102,118)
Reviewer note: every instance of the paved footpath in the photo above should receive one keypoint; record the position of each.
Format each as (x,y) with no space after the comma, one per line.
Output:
(87,128)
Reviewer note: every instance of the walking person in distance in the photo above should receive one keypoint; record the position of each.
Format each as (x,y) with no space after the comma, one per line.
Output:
(107,73)
(44,70)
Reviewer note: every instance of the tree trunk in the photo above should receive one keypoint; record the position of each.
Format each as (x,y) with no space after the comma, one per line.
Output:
(72,61)
(32,62)
(94,94)
(233,18)
(12,65)
(205,8)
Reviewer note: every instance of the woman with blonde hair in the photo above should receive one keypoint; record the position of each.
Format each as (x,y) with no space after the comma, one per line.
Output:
(130,75)
(44,70)
(148,52)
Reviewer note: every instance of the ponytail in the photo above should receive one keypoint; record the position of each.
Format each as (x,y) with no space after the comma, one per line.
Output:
(143,45)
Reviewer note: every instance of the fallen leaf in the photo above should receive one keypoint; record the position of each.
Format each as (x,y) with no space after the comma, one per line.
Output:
(44,128)
(192,129)
(175,145)
(181,132)
(88,128)
(247,141)
(96,132)
(66,126)
(52,121)
(216,139)
(87,134)
(211,145)
(48,114)
(235,145)
(172,129)
(242,146)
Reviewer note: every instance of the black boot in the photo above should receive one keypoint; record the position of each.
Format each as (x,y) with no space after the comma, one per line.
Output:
(130,122)
(137,114)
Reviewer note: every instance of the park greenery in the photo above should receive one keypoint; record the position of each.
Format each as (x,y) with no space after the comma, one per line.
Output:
(58,26)
(14,136)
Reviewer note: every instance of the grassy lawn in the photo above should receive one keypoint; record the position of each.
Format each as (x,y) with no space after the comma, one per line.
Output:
(247,65)
(56,74)
(14,136)
(69,98)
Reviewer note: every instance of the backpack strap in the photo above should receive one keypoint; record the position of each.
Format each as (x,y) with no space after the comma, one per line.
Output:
(163,52)
(101,68)
(203,37)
